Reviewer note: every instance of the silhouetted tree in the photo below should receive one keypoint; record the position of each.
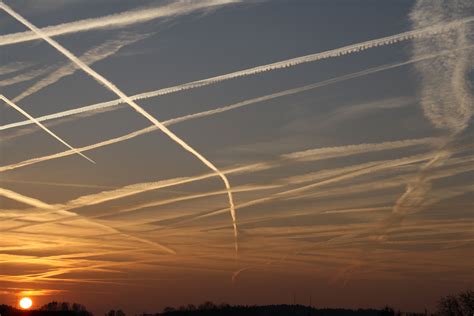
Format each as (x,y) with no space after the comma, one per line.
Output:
(467,302)
(460,305)
(206,306)
(387,311)
(449,306)
(77,309)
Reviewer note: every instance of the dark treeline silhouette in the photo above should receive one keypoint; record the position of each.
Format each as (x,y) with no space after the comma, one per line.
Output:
(210,309)
(461,304)
(51,309)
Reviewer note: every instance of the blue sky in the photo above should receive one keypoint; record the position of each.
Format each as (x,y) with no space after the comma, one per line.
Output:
(361,180)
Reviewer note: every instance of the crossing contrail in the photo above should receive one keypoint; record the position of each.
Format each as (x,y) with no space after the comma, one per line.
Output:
(109,105)
(25,199)
(90,57)
(176,8)
(13,105)
(305,156)
(132,104)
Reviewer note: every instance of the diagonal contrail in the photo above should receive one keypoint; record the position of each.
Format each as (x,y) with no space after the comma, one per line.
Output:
(132,104)
(119,20)
(90,57)
(47,130)
(110,105)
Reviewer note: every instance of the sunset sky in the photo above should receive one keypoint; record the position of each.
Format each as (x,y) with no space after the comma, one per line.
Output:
(158,153)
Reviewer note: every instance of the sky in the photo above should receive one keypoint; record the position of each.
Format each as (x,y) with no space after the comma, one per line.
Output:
(160,153)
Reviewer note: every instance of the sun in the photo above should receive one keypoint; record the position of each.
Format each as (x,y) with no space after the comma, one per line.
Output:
(26,302)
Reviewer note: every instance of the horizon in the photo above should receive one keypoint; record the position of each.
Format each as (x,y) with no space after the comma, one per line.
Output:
(166,152)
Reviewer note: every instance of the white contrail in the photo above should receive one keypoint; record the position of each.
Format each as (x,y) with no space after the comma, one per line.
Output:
(90,57)
(13,105)
(309,153)
(132,104)
(173,9)
(25,199)
(109,105)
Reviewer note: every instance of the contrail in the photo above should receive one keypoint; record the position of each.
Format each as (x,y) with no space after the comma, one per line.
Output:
(356,171)
(90,57)
(317,154)
(110,105)
(395,144)
(13,105)
(131,17)
(25,199)
(13,67)
(132,104)
(54,208)
(26,76)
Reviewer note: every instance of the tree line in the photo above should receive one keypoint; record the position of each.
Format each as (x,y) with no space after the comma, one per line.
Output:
(461,304)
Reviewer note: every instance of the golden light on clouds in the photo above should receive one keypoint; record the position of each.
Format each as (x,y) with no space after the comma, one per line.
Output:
(351,159)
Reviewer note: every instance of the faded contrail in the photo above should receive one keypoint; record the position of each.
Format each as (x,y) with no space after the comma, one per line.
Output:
(176,120)
(26,76)
(44,206)
(307,155)
(90,57)
(13,105)
(109,105)
(132,104)
(356,171)
(13,67)
(446,95)
(176,8)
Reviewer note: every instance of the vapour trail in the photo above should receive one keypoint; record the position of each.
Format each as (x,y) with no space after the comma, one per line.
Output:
(357,171)
(317,154)
(169,122)
(59,184)
(25,199)
(13,105)
(90,57)
(13,67)
(26,76)
(132,104)
(99,107)
(118,20)
(182,118)
(83,201)
(62,211)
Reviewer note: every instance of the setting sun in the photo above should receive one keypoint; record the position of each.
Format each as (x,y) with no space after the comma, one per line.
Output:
(26,302)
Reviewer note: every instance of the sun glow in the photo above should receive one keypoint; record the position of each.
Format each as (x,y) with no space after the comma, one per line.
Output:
(26,302)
